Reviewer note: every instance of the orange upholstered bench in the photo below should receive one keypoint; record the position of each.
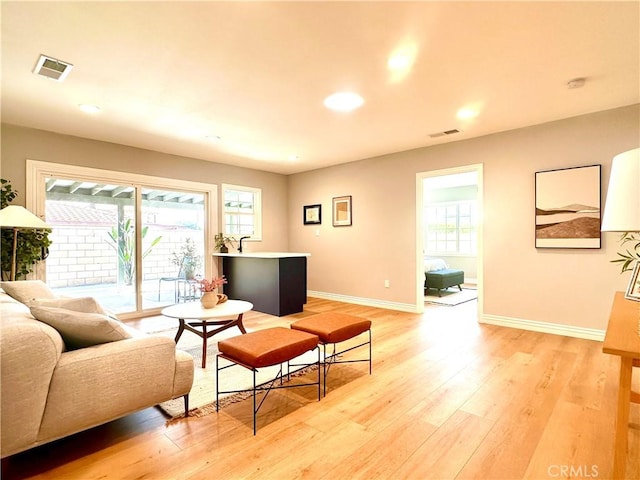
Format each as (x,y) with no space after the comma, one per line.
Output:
(333,328)
(265,348)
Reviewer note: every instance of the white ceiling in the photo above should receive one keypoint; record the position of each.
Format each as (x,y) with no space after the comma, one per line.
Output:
(167,74)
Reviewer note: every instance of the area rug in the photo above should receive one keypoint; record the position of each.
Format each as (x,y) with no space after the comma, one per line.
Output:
(202,397)
(451,297)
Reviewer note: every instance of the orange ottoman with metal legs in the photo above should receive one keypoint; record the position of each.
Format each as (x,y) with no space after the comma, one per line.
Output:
(264,348)
(334,328)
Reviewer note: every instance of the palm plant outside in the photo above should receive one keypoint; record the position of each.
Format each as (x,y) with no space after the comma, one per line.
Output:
(123,240)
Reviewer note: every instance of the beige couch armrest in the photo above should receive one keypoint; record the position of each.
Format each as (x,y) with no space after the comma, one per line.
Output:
(29,352)
(97,384)
(183,380)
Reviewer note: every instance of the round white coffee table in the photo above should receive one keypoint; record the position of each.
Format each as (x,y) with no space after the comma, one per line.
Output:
(192,316)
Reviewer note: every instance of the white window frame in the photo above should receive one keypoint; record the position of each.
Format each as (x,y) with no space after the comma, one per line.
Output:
(474,225)
(257,209)
(38,171)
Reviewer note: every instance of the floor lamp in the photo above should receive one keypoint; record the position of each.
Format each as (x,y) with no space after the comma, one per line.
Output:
(622,207)
(18,217)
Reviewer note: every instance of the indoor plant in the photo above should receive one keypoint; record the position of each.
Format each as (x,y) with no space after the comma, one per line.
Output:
(221,242)
(629,255)
(210,296)
(187,260)
(32,246)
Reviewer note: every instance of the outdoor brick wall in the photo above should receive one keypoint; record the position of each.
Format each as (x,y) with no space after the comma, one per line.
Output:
(82,256)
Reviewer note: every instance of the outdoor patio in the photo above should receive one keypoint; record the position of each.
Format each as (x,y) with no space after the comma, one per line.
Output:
(121,298)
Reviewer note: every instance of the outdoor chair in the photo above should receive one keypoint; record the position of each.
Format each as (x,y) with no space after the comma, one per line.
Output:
(183,289)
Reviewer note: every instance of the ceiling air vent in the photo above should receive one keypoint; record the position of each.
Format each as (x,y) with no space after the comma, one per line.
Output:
(446,132)
(52,68)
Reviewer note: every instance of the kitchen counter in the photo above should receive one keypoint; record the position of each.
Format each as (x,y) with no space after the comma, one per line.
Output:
(275,282)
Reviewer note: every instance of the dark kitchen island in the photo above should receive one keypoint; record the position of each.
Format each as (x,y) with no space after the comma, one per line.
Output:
(275,282)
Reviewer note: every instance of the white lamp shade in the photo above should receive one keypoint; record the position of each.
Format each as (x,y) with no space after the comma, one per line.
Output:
(622,207)
(19,217)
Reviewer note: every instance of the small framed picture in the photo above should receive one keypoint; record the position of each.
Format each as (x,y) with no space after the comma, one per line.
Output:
(633,290)
(342,211)
(312,214)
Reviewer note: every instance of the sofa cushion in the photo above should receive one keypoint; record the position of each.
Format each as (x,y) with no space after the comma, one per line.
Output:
(80,329)
(26,290)
(80,304)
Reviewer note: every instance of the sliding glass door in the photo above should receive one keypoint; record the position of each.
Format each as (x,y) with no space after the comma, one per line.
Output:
(93,241)
(133,247)
(173,246)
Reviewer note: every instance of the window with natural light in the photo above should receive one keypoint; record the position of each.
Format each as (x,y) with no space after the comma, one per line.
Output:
(242,211)
(134,242)
(451,228)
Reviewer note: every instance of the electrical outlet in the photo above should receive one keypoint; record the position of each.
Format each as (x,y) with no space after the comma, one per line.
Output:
(386,284)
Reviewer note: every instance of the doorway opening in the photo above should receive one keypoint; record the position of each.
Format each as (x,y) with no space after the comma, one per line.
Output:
(449,230)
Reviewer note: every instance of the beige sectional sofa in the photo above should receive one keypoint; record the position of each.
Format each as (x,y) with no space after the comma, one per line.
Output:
(54,385)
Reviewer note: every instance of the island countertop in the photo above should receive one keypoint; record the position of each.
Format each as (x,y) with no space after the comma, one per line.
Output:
(274,282)
(262,254)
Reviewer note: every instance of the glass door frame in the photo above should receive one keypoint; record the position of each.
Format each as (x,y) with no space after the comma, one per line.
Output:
(37,172)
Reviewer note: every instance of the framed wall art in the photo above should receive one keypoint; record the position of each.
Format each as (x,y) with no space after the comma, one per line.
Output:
(633,290)
(568,207)
(342,211)
(312,214)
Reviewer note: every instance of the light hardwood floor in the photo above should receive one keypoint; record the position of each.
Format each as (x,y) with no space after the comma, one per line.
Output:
(448,398)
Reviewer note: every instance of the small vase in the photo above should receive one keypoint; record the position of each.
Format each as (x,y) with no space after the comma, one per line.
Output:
(209,299)
(224,249)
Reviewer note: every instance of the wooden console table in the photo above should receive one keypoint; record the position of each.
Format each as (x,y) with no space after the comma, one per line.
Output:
(623,339)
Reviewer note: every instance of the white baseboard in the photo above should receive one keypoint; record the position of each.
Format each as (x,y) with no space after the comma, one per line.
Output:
(545,327)
(368,302)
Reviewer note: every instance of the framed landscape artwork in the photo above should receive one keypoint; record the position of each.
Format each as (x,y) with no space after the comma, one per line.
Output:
(568,207)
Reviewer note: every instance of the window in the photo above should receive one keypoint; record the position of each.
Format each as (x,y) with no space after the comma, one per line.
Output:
(119,237)
(451,228)
(242,211)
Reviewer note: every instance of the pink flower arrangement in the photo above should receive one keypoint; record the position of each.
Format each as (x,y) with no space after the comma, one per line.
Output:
(210,286)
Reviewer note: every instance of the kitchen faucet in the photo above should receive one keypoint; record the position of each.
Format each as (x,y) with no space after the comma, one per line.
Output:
(240,246)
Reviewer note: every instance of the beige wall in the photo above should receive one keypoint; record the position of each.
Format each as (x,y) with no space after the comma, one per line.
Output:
(20,144)
(570,287)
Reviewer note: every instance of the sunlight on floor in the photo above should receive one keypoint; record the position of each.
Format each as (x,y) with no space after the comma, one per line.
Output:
(457,322)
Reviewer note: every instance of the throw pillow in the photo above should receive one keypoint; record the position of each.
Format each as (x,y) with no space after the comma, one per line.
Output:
(79,329)
(26,290)
(80,304)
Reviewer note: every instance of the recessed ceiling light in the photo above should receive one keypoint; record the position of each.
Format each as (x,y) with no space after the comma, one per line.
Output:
(466,113)
(403,57)
(399,62)
(86,108)
(293,157)
(343,101)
